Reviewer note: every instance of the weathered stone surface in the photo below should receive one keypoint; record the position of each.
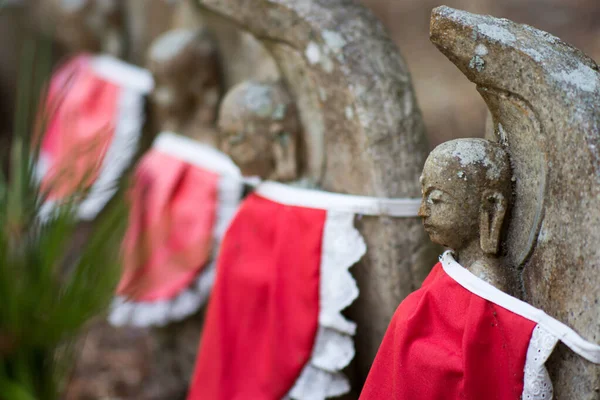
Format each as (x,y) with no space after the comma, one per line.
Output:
(82,26)
(363,131)
(186,93)
(242,56)
(543,95)
(146,20)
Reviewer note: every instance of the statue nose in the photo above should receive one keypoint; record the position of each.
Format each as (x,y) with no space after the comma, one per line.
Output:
(423,211)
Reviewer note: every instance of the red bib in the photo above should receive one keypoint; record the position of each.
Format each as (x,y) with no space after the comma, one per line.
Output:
(183,196)
(459,337)
(95,116)
(274,326)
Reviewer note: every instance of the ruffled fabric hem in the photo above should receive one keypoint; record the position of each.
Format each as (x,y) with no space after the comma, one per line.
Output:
(322,377)
(141,314)
(120,153)
(122,149)
(125,312)
(537,384)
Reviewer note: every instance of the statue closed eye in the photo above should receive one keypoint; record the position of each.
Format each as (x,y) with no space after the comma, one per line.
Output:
(466,186)
(259,130)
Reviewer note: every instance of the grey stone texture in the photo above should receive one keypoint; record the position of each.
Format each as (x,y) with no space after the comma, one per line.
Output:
(543,95)
(363,133)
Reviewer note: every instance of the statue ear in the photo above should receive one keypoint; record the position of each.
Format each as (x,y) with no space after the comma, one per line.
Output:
(491,218)
(284,153)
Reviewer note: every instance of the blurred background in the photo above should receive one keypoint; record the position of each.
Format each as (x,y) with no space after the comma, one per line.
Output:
(451,106)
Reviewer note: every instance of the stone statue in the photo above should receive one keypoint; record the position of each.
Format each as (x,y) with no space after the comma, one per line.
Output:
(361,133)
(463,322)
(543,96)
(185,67)
(466,195)
(260,131)
(148,19)
(84,25)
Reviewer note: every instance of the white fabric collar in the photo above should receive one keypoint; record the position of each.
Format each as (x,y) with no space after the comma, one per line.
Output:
(196,153)
(362,205)
(123,74)
(479,287)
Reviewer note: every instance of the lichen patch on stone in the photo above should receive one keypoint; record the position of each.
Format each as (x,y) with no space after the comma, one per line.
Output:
(533,53)
(477,63)
(316,55)
(334,40)
(582,77)
(349,113)
(481,50)
(313,53)
(322,94)
(258,100)
(502,133)
(279,112)
(469,153)
(497,33)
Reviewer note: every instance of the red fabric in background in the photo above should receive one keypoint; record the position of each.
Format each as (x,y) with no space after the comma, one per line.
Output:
(170,235)
(263,313)
(82,115)
(446,343)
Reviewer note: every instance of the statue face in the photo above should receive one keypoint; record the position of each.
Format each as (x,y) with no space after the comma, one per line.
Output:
(450,205)
(88,25)
(251,151)
(258,128)
(182,89)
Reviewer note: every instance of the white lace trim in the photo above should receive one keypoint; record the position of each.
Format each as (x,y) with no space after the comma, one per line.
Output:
(588,350)
(123,74)
(196,153)
(160,313)
(342,247)
(118,158)
(537,383)
(120,154)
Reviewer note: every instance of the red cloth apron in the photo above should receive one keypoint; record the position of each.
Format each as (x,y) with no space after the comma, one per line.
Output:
(274,326)
(168,241)
(94,111)
(182,197)
(460,338)
(263,316)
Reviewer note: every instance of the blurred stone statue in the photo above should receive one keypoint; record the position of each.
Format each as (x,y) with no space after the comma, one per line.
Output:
(84,25)
(544,112)
(259,129)
(186,71)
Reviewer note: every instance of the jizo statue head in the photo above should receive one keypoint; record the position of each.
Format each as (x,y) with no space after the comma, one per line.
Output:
(466,186)
(185,67)
(86,25)
(259,130)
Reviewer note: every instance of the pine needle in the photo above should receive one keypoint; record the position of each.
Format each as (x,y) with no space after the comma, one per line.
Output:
(48,290)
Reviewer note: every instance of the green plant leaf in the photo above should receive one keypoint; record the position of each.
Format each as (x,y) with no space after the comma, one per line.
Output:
(49,288)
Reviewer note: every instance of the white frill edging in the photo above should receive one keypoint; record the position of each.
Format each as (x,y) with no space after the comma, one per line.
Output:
(342,247)
(125,312)
(537,382)
(126,138)
(119,155)
(547,333)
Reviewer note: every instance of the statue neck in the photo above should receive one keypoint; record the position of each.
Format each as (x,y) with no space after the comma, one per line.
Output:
(485,266)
